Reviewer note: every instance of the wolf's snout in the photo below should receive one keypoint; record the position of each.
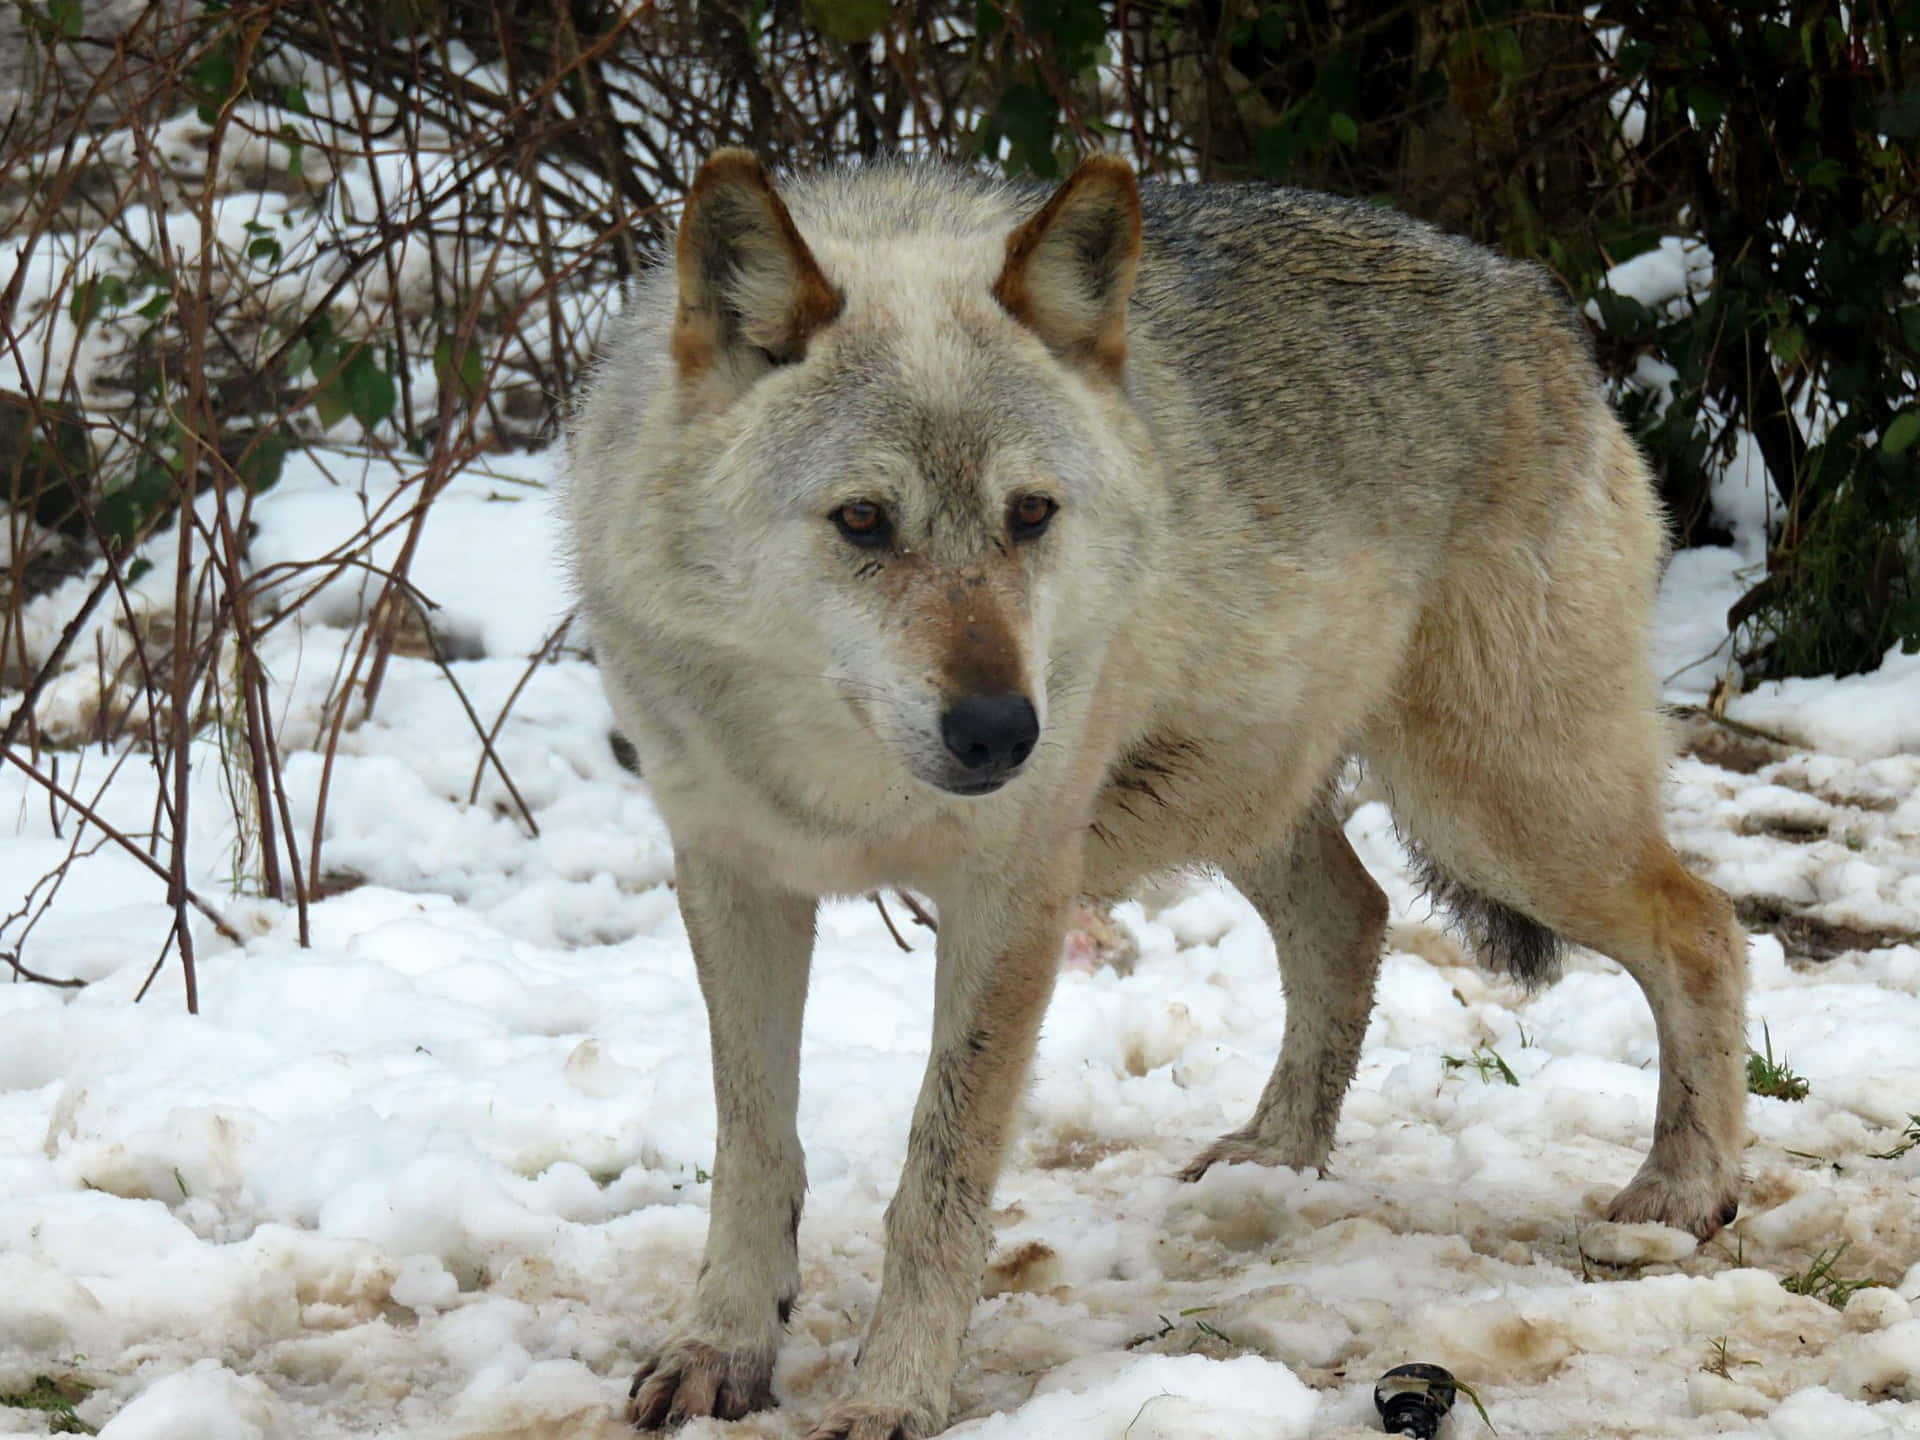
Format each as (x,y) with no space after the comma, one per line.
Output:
(990,735)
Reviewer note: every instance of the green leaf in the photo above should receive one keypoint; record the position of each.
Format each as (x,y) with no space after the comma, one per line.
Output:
(1274,150)
(1900,114)
(67,17)
(118,517)
(319,330)
(260,463)
(1027,114)
(1077,28)
(849,21)
(1507,56)
(1825,173)
(330,404)
(367,389)
(1273,28)
(1910,326)
(1901,434)
(152,483)
(1624,316)
(1706,107)
(81,305)
(1341,125)
(94,295)
(157,303)
(458,366)
(1336,81)
(1906,624)
(1844,382)
(211,82)
(266,249)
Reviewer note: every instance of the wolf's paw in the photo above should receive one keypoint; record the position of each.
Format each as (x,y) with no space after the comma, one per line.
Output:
(1700,1203)
(857,1420)
(696,1377)
(1242,1149)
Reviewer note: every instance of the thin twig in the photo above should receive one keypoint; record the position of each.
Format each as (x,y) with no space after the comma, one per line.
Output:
(92,817)
(21,972)
(880,904)
(918,911)
(55,657)
(486,739)
(550,645)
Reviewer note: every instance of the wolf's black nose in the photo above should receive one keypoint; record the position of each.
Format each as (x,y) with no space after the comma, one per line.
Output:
(990,734)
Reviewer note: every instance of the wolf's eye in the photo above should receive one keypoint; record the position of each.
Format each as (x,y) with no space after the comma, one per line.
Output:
(1027,517)
(863,522)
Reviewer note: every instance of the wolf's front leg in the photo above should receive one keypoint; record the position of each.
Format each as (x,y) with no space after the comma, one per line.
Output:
(752,946)
(998,954)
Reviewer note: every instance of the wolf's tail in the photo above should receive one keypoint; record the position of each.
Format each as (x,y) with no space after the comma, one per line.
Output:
(1501,937)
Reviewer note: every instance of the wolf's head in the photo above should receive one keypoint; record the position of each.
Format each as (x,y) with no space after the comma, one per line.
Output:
(900,452)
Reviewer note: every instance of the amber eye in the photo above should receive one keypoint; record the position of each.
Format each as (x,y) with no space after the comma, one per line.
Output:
(1027,517)
(863,522)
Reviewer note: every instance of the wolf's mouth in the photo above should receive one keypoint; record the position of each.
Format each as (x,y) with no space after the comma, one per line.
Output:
(972,788)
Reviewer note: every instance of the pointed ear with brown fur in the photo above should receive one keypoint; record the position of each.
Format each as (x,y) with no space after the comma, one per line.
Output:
(1069,271)
(746,277)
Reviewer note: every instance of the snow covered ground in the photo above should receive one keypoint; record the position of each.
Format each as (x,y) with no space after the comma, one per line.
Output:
(440,1174)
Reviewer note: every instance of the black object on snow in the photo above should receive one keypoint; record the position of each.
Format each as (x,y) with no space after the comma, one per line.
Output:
(1414,1399)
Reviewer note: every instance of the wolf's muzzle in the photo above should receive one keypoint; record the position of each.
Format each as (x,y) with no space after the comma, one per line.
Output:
(990,736)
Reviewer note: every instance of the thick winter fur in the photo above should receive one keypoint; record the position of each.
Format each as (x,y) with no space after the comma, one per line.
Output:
(1324,482)
(1500,935)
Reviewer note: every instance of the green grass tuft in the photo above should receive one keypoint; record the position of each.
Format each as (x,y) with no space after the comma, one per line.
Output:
(55,1399)
(1823,1282)
(1485,1061)
(1909,1138)
(1770,1077)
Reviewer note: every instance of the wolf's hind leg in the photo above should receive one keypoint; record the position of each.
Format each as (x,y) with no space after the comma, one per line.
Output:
(1328,919)
(1527,759)
(1631,899)
(1677,936)
(752,947)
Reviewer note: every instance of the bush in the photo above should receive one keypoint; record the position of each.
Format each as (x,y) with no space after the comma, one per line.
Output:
(237,229)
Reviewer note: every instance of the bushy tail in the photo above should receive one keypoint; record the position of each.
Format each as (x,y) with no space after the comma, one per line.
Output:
(1500,937)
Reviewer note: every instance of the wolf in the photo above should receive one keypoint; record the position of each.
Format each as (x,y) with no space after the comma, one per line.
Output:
(939,532)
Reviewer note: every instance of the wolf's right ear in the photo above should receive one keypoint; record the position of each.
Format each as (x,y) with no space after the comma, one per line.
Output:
(746,276)
(1069,271)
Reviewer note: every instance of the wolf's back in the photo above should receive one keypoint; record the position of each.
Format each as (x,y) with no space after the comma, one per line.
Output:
(1329,338)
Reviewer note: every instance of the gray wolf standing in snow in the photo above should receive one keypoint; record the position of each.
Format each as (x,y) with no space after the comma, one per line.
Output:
(937,533)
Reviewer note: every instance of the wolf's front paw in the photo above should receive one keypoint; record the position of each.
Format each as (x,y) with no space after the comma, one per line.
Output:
(857,1420)
(1701,1203)
(1240,1148)
(696,1377)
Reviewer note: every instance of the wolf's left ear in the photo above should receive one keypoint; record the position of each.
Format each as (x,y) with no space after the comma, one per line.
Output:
(1069,270)
(746,277)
